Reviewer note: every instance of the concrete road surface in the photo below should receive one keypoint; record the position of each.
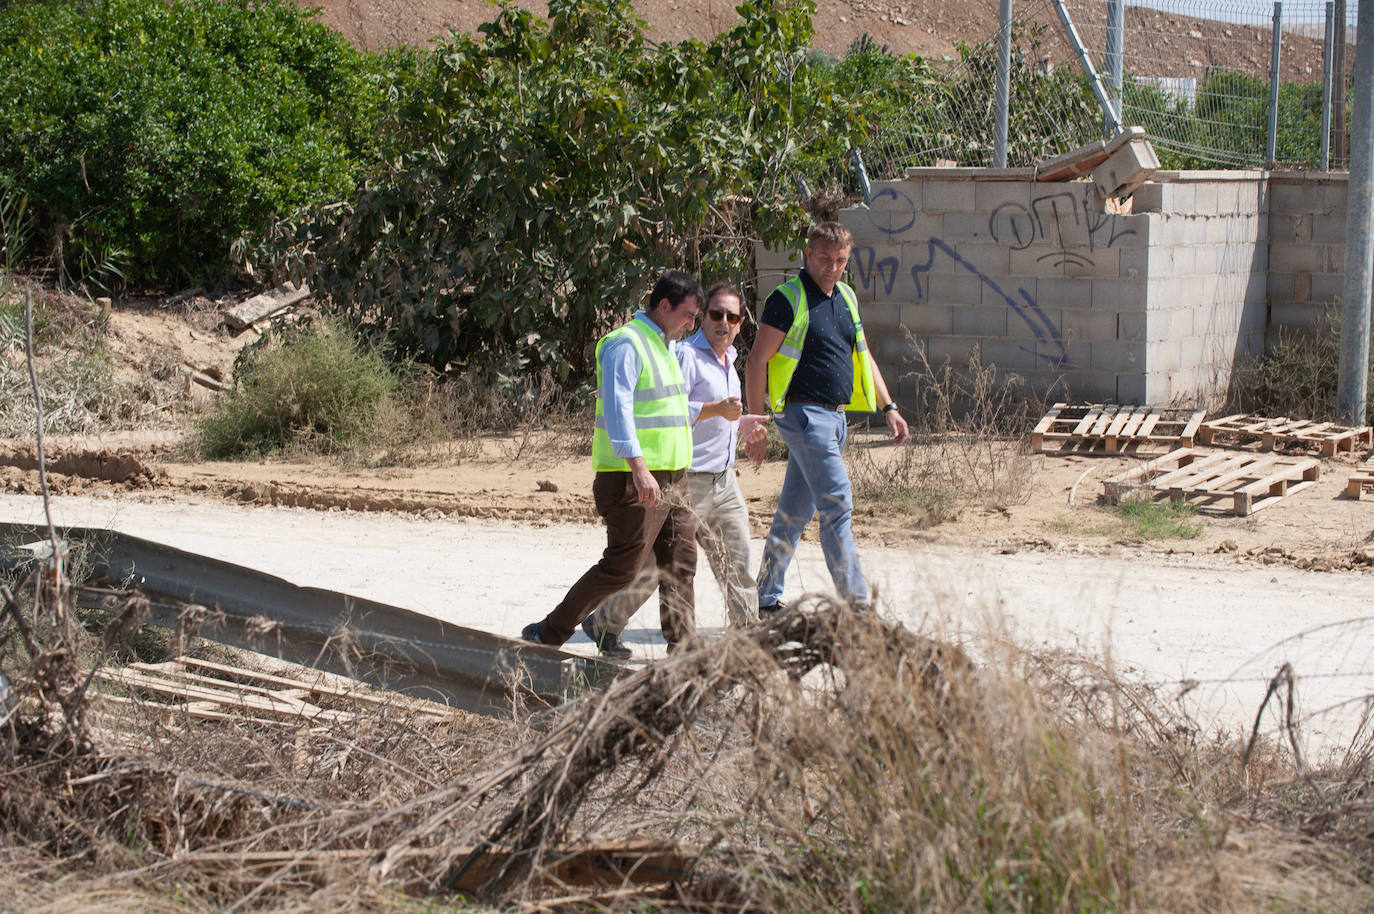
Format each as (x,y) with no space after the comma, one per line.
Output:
(1212,629)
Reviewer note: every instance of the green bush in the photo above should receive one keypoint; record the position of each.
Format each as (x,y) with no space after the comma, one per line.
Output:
(155,133)
(309,388)
(1228,121)
(542,174)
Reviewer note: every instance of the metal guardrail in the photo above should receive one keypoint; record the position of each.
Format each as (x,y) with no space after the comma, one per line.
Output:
(377,643)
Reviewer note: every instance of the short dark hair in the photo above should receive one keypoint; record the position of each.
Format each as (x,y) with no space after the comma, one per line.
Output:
(724,287)
(830,233)
(676,286)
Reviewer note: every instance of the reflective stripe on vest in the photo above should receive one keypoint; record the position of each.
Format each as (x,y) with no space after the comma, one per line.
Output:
(783,364)
(662,422)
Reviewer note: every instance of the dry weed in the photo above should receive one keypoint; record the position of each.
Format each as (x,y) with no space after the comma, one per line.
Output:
(81,389)
(967,447)
(821,761)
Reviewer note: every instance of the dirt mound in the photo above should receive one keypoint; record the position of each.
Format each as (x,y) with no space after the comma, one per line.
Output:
(930,28)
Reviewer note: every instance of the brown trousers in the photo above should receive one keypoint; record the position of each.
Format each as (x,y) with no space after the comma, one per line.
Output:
(668,530)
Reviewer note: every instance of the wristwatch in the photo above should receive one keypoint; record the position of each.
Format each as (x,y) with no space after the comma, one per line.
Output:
(890,407)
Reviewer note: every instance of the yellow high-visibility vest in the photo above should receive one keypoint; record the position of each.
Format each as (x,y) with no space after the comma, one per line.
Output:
(783,363)
(662,422)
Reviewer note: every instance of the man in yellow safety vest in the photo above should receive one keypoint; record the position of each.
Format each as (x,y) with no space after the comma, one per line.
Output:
(810,364)
(641,446)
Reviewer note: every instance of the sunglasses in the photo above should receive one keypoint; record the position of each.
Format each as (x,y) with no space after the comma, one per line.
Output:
(720,314)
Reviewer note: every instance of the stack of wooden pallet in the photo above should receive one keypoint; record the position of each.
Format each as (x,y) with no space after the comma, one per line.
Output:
(1114,429)
(1246,428)
(1362,477)
(1247,481)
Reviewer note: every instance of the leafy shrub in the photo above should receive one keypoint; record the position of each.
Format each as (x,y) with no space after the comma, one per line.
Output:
(542,174)
(308,387)
(1228,121)
(154,133)
(1030,138)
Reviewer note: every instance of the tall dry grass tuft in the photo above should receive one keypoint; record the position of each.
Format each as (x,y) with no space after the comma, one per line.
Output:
(968,425)
(1295,377)
(531,417)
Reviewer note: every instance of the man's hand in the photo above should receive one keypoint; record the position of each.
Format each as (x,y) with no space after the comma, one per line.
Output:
(728,409)
(756,450)
(645,484)
(900,432)
(751,427)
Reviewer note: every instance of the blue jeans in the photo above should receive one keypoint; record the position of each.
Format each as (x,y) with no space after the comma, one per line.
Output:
(816,481)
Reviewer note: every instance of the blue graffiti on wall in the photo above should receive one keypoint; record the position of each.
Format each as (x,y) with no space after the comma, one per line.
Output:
(897,196)
(1023,305)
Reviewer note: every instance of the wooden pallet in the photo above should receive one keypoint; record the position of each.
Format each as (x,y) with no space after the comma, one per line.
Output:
(1361,478)
(1113,429)
(189,687)
(1244,428)
(1209,478)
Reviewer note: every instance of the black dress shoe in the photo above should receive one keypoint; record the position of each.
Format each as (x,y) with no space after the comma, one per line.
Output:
(608,644)
(530,633)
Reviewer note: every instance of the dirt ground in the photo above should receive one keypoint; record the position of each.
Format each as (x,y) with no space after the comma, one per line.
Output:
(540,479)
(1289,583)
(930,28)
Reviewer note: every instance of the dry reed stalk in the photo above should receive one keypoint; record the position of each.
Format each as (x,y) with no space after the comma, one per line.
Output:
(640,719)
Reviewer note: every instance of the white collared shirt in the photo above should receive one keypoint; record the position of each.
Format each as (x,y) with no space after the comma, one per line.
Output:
(708,379)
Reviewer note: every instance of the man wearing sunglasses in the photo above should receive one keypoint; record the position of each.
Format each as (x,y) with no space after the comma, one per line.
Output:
(707,359)
(641,446)
(811,364)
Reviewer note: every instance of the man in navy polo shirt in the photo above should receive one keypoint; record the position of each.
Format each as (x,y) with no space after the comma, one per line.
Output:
(810,365)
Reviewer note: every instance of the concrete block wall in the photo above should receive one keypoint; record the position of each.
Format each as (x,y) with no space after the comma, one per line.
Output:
(1031,274)
(1306,246)
(1153,306)
(1208,285)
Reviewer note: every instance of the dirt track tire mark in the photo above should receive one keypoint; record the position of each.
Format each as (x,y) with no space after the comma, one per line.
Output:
(104,465)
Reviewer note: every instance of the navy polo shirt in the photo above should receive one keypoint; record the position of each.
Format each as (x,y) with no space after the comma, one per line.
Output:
(825,371)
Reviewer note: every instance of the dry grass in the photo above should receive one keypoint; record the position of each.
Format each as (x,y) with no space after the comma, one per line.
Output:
(971,421)
(81,389)
(446,420)
(823,761)
(1298,376)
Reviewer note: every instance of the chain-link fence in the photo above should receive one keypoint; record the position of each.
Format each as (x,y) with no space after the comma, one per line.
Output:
(1196,74)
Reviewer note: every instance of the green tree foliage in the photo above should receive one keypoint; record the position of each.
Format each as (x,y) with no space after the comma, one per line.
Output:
(967,110)
(544,172)
(1228,121)
(158,132)
(886,88)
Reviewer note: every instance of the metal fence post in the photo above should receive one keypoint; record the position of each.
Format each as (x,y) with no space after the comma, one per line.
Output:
(999,139)
(1271,143)
(1116,75)
(1109,111)
(1326,84)
(1338,116)
(1359,235)
(861,173)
